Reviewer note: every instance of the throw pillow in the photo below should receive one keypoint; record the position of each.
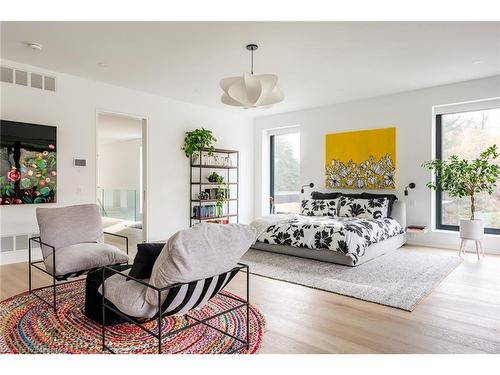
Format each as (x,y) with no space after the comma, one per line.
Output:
(145,259)
(319,207)
(375,208)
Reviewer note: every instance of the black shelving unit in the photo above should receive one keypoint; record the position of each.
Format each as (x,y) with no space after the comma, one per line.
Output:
(199,172)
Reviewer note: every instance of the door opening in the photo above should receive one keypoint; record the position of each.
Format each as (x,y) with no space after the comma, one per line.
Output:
(121,166)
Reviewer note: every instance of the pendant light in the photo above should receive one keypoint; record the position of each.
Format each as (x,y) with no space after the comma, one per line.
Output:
(251,90)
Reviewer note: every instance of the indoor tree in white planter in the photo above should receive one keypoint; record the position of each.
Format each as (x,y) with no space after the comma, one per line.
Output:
(466,178)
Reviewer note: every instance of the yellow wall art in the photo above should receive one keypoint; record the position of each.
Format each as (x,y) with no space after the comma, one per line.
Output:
(364,159)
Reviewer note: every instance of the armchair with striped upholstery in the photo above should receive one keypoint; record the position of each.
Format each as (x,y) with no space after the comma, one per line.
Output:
(194,266)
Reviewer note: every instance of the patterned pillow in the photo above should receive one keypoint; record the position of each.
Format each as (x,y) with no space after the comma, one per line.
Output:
(319,207)
(374,208)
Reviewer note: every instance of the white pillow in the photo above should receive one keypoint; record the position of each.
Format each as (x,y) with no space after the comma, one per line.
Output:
(202,251)
(319,207)
(374,208)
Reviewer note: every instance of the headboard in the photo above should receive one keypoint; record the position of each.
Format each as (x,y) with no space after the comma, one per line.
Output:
(399,212)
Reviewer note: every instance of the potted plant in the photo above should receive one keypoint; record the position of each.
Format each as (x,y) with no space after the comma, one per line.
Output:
(216,178)
(196,140)
(466,178)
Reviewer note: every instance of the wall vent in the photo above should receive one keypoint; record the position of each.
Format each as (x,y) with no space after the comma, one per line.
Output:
(17,242)
(36,81)
(7,74)
(28,79)
(21,77)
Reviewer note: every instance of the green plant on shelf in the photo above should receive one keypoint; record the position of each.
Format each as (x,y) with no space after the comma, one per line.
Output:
(216,178)
(221,196)
(196,140)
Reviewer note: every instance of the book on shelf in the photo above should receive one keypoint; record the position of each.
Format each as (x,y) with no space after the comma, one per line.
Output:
(209,210)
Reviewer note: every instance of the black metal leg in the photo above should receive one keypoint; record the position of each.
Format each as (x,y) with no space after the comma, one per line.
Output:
(54,278)
(159,322)
(126,243)
(29,266)
(103,317)
(33,264)
(248,308)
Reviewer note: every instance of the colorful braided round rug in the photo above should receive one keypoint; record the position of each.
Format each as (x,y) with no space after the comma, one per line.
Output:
(28,325)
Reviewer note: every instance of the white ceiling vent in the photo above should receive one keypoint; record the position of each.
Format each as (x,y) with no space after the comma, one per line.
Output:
(28,79)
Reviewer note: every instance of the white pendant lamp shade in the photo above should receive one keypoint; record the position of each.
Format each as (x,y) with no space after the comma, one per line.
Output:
(251,90)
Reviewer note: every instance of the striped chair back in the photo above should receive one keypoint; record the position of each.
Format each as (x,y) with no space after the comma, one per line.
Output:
(182,298)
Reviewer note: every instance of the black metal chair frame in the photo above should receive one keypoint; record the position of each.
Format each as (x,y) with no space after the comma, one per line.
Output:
(159,335)
(53,274)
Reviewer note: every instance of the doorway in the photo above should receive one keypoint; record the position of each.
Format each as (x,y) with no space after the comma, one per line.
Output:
(121,175)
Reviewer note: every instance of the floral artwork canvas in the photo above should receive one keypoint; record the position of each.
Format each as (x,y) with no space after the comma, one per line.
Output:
(364,159)
(28,163)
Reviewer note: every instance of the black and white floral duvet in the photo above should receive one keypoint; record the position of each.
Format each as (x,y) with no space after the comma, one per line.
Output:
(348,235)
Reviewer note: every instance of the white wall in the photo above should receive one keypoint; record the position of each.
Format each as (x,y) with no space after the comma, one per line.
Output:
(73,110)
(410,112)
(119,165)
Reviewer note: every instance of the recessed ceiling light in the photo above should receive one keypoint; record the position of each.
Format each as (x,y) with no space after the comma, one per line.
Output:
(477,62)
(34,46)
(102,64)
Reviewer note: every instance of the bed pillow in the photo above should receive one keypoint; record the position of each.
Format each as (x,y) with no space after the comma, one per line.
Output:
(319,207)
(375,208)
(320,195)
(334,195)
(147,253)
(391,197)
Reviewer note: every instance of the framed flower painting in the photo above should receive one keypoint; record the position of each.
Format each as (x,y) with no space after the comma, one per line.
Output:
(364,159)
(28,163)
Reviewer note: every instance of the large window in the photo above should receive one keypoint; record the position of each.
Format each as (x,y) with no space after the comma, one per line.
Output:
(285,172)
(466,134)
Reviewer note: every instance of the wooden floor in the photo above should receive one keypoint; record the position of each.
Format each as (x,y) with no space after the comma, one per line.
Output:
(462,315)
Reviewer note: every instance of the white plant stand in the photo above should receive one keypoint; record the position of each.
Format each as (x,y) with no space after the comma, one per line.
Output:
(479,248)
(472,230)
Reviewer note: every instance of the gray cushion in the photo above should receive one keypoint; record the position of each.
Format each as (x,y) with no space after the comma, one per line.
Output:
(84,256)
(65,226)
(129,296)
(199,252)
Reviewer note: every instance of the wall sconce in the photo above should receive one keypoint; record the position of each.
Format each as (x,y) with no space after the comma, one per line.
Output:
(311,185)
(411,185)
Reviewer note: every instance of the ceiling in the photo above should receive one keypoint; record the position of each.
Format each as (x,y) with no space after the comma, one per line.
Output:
(318,63)
(117,128)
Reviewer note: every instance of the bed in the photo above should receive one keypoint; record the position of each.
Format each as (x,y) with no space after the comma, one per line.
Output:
(350,241)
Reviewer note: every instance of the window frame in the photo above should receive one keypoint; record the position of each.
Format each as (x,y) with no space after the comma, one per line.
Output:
(439,193)
(272,135)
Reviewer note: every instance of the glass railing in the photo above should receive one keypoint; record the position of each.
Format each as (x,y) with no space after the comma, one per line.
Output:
(120,204)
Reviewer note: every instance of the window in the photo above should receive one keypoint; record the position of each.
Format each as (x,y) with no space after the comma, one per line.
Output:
(466,134)
(285,172)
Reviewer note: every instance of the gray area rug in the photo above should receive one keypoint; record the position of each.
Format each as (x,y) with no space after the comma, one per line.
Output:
(400,278)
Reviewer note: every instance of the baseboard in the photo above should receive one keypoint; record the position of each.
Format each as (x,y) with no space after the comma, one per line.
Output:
(18,256)
(449,247)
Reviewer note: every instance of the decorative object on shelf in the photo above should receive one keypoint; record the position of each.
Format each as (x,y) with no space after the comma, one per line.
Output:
(216,178)
(28,163)
(411,185)
(198,139)
(203,196)
(364,159)
(465,178)
(311,185)
(251,90)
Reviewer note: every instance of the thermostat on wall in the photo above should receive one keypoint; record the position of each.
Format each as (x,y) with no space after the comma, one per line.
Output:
(79,162)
